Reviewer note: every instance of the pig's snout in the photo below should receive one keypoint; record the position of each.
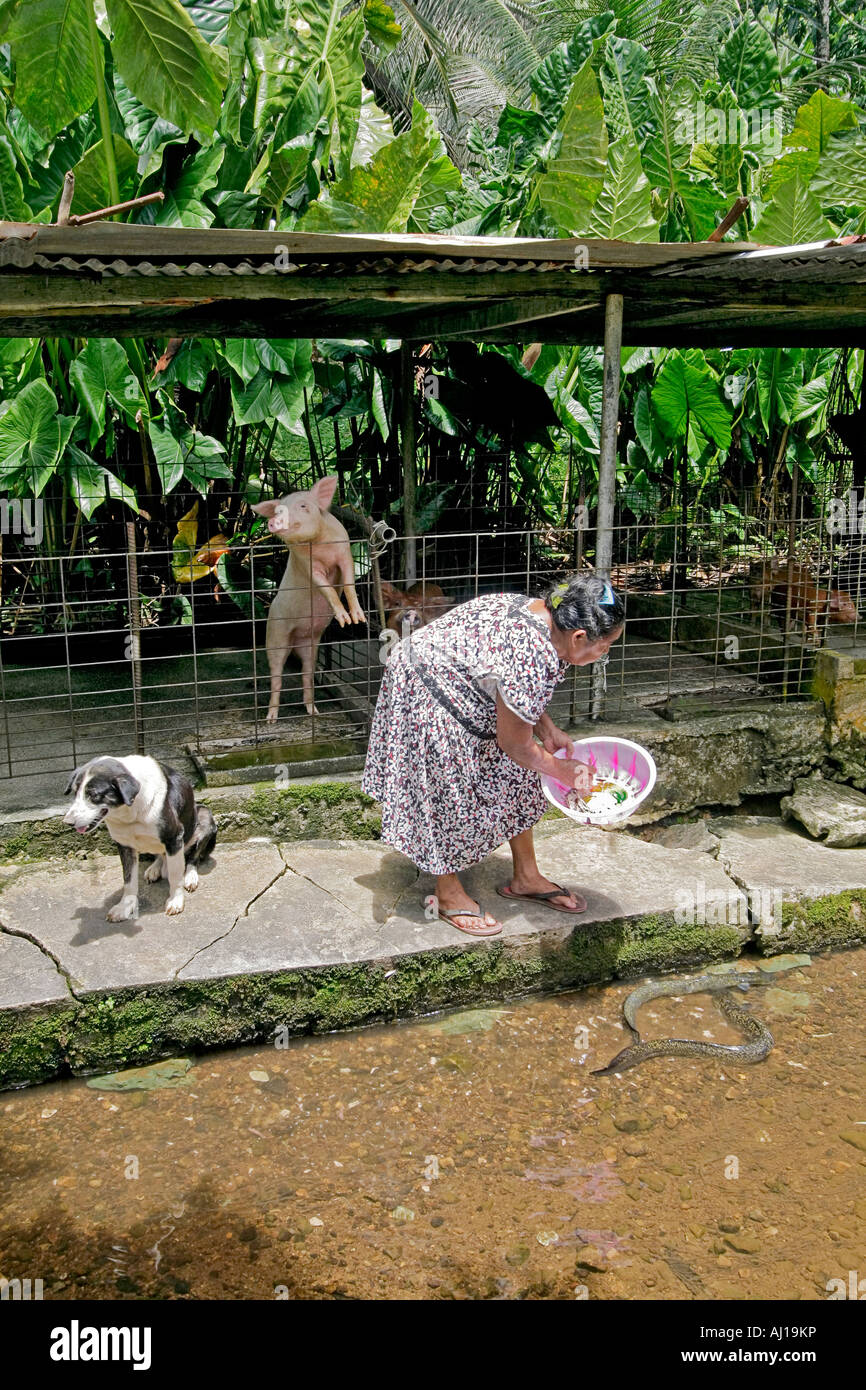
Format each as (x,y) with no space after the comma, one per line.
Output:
(843,610)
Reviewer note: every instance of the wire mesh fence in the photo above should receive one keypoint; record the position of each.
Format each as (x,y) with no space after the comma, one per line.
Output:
(162,648)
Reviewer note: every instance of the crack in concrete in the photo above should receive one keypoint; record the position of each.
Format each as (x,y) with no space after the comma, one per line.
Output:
(390,912)
(56,962)
(268,886)
(312,882)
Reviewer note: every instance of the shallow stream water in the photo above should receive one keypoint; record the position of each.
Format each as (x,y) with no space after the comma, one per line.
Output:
(471,1155)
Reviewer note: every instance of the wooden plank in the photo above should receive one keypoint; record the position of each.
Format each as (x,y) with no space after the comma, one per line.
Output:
(125,240)
(784,328)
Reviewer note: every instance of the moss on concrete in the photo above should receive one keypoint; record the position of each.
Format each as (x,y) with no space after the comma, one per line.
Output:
(321,811)
(111,1031)
(818,924)
(304,811)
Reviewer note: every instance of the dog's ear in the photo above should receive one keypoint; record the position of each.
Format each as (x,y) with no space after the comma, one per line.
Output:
(74,781)
(128,788)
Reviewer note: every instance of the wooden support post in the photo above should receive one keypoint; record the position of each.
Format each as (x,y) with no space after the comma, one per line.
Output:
(407,448)
(607,465)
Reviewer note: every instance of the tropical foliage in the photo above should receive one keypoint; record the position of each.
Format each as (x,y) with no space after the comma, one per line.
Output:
(641,119)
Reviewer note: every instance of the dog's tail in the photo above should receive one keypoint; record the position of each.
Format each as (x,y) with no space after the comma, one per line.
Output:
(204,838)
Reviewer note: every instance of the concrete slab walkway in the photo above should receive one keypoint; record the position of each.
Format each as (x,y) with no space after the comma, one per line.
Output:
(282,938)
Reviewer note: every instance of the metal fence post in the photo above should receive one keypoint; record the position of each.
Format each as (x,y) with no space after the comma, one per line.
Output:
(607,466)
(134,634)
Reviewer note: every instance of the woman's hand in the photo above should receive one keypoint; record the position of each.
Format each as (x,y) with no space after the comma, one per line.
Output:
(515,738)
(554,739)
(571,773)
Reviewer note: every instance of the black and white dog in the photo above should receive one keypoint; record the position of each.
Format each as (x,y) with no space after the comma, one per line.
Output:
(148,808)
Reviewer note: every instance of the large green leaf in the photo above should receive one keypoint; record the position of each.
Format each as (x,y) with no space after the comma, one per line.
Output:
(183,206)
(88,481)
(381,25)
(552,81)
(686,392)
(211,17)
(166,63)
(623,211)
(269,394)
(289,356)
(313,69)
(8,10)
(32,438)
(779,376)
(101,373)
(54,76)
(144,129)
(574,177)
(168,452)
(721,153)
(380,196)
(703,206)
(430,213)
(793,217)
(840,178)
(816,123)
(281,172)
(12,205)
(627,105)
(374,129)
(750,64)
(667,150)
(46,173)
(819,118)
(181,452)
(91,179)
(243,355)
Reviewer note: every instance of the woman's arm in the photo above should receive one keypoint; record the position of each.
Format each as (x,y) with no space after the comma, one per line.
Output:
(515,738)
(551,736)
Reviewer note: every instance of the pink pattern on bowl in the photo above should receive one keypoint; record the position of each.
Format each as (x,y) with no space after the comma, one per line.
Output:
(607,757)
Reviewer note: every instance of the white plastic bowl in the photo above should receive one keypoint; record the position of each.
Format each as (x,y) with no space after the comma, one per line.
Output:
(618,760)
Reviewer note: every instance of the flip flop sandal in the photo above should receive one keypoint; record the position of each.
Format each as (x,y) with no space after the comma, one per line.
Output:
(544,899)
(471,931)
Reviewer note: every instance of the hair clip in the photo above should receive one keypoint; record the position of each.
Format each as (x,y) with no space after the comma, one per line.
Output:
(608,598)
(558,594)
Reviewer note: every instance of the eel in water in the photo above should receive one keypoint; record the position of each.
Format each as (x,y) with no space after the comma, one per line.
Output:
(760,1039)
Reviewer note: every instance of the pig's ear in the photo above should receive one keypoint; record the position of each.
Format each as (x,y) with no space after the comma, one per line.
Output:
(266,508)
(323,491)
(391,597)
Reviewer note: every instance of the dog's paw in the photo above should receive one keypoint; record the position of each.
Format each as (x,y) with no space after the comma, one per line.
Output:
(174,905)
(190,879)
(153,872)
(125,909)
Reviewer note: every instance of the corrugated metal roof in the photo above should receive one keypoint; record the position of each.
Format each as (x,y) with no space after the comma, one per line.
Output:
(120,279)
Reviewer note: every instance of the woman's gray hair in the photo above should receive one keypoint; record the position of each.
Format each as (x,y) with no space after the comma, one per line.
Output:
(585,601)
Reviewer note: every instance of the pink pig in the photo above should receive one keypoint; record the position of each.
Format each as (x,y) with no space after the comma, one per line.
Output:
(320,565)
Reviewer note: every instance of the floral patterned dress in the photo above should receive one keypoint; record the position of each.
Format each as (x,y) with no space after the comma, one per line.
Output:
(449,794)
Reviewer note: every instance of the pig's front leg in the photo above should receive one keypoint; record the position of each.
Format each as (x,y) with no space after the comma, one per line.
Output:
(333,598)
(356,612)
